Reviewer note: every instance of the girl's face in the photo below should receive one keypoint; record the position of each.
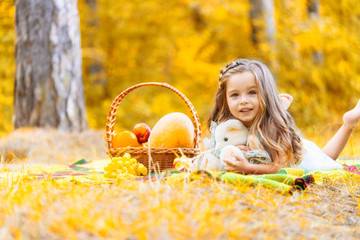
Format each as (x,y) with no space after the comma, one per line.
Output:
(242,96)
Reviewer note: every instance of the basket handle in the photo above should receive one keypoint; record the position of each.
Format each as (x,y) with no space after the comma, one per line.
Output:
(115,104)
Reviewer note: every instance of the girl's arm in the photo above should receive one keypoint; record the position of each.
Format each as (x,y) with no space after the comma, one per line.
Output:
(242,166)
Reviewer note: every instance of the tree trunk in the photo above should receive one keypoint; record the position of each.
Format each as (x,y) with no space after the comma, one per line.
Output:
(314,14)
(48,81)
(313,8)
(262,21)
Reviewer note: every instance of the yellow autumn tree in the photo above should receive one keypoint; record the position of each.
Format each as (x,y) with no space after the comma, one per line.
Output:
(7,66)
(323,90)
(185,43)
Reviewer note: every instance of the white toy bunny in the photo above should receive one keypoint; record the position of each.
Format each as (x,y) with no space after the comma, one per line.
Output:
(227,136)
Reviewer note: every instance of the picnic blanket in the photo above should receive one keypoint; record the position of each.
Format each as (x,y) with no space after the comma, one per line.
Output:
(286,181)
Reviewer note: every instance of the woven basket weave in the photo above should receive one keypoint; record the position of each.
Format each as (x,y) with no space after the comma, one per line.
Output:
(161,158)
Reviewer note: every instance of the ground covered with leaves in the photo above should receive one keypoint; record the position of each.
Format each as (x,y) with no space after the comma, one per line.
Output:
(162,209)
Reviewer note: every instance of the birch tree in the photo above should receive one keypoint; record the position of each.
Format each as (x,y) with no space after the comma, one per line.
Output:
(314,14)
(48,80)
(262,21)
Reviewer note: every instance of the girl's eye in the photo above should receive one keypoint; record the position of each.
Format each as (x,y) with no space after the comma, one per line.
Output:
(234,95)
(252,92)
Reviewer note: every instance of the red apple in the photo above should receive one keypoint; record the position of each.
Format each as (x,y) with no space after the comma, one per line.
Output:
(142,132)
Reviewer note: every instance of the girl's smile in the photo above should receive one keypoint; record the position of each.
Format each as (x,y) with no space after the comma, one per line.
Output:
(242,96)
(245,110)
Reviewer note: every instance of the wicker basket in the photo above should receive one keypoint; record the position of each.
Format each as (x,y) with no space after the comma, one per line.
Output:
(158,158)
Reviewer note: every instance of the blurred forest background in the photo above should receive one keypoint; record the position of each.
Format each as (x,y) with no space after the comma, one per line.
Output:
(312,50)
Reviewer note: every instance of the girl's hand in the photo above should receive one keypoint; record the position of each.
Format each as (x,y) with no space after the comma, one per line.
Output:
(243,147)
(236,164)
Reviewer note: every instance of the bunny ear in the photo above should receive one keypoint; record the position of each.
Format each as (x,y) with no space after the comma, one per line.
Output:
(210,142)
(213,126)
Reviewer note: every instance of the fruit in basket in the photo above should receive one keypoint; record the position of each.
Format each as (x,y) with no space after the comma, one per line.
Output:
(124,139)
(173,130)
(142,132)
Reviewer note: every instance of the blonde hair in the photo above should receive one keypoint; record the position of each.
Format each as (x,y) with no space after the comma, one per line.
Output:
(273,129)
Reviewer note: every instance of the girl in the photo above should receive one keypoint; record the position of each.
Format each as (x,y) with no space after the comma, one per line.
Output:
(247,92)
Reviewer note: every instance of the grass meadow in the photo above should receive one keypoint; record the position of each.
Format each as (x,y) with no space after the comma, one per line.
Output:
(178,209)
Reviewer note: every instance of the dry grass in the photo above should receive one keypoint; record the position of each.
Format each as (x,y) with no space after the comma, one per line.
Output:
(199,209)
(40,146)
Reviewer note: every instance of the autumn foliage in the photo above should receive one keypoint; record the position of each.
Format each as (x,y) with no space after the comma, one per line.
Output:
(185,43)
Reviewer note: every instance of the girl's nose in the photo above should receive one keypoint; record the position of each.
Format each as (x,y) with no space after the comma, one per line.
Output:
(243,99)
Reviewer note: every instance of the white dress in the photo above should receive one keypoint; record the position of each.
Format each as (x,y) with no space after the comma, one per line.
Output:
(315,159)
